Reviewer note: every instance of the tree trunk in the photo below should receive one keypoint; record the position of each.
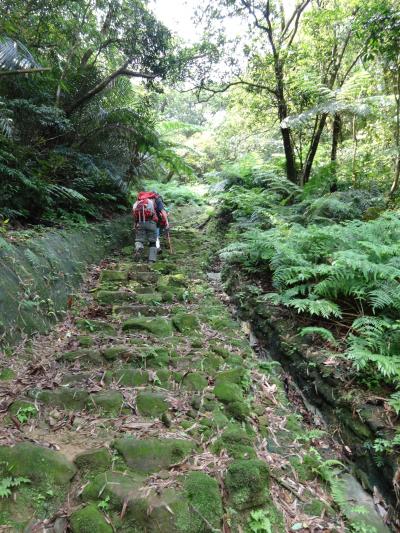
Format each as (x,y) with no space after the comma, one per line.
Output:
(291,172)
(305,175)
(336,131)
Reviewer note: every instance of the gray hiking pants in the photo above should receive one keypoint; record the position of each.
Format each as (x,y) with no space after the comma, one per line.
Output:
(146,232)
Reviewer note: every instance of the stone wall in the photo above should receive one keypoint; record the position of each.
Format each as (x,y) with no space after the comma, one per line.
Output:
(37,275)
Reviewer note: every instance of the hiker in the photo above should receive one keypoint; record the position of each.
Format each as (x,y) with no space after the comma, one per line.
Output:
(149,216)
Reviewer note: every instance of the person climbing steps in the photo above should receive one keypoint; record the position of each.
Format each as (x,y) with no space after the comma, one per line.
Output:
(149,215)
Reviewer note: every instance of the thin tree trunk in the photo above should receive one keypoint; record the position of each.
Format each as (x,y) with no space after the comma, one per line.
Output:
(336,130)
(305,176)
(396,179)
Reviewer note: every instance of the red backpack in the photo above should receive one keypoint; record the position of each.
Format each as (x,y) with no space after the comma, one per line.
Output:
(144,209)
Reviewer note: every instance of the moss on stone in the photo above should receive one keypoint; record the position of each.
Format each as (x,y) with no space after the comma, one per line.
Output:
(151,404)
(90,356)
(160,327)
(237,442)
(153,298)
(113,353)
(21,405)
(85,341)
(40,465)
(228,392)
(196,382)
(185,323)
(7,374)
(63,397)
(131,377)
(211,362)
(164,379)
(233,375)
(247,483)
(93,461)
(95,326)
(151,455)
(89,520)
(107,297)
(219,349)
(113,275)
(239,410)
(204,497)
(109,402)
(117,486)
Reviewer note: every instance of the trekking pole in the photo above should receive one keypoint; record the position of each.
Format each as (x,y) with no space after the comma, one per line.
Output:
(169,242)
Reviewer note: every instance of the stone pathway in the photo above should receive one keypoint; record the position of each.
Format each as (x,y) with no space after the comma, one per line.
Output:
(147,411)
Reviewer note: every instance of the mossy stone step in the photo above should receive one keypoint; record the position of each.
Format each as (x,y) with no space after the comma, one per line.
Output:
(96,326)
(89,519)
(151,404)
(122,351)
(247,483)
(129,377)
(195,381)
(94,461)
(108,402)
(113,275)
(135,310)
(144,277)
(82,355)
(185,322)
(160,327)
(151,455)
(108,297)
(150,298)
(118,487)
(42,466)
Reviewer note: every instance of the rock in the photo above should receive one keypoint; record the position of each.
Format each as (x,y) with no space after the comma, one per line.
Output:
(236,442)
(233,375)
(134,310)
(117,486)
(60,525)
(166,420)
(93,461)
(91,356)
(185,323)
(109,402)
(239,410)
(131,377)
(113,275)
(85,341)
(150,455)
(211,362)
(196,382)
(41,466)
(370,520)
(204,495)
(117,352)
(160,327)
(62,397)
(247,483)
(114,297)
(89,520)
(152,298)
(144,277)
(151,404)
(95,326)
(228,392)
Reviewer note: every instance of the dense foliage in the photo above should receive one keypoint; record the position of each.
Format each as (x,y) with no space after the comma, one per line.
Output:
(75,130)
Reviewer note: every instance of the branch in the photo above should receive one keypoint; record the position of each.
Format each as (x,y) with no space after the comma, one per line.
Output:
(228,86)
(299,11)
(23,71)
(122,71)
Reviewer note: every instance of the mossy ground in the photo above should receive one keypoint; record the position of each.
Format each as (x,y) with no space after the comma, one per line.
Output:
(157,410)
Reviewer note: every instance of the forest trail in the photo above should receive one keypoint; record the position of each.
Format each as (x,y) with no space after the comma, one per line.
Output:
(147,410)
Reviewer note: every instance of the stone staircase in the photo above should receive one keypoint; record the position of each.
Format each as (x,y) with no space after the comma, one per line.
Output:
(152,414)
